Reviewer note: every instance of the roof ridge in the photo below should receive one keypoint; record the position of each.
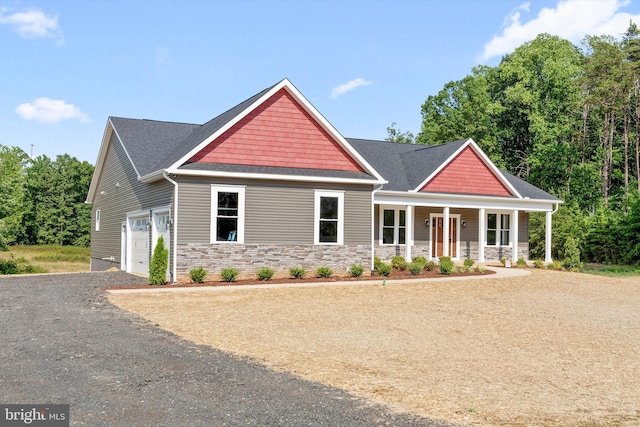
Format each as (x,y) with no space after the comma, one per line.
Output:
(155,120)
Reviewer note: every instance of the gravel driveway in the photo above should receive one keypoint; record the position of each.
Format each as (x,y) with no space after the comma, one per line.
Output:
(62,342)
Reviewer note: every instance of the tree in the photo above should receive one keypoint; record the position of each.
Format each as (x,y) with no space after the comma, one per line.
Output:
(13,162)
(159,263)
(396,135)
(463,109)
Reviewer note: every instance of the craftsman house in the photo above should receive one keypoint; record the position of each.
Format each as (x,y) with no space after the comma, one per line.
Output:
(271,182)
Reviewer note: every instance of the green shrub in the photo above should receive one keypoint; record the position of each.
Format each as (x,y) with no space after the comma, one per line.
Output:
(8,266)
(356,270)
(228,274)
(503,261)
(265,273)
(538,263)
(430,265)
(553,265)
(399,262)
(376,262)
(198,274)
(415,268)
(159,262)
(521,263)
(384,269)
(324,272)
(420,259)
(297,272)
(482,269)
(468,262)
(471,269)
(446,265)
(572,255)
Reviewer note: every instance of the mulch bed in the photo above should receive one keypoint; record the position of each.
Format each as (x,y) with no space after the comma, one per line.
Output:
(395,275)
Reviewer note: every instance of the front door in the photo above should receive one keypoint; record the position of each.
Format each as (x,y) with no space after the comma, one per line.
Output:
(437,236)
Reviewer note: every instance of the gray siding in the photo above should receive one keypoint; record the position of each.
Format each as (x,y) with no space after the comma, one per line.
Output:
(276,212)
(119,192)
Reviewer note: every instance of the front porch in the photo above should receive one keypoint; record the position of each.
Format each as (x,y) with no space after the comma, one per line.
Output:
(483,234)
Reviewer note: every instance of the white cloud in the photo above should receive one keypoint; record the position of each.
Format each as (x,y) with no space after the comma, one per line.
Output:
(32,24)
(346,87)
(571,19)
(48,110)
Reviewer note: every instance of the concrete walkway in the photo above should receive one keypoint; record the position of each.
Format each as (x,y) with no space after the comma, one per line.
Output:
(500,273)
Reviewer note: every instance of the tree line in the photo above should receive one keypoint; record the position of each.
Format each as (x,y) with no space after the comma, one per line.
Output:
(42,201)
(565,118)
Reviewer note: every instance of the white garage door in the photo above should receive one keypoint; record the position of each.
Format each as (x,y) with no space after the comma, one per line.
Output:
(139,245)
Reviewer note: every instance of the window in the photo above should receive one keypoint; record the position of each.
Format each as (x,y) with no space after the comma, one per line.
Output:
(498,228)
(227,214)
(393,226)
(97,219)
(329,218)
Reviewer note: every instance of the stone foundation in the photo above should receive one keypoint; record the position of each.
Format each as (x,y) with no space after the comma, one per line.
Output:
(493,253)
(248,259)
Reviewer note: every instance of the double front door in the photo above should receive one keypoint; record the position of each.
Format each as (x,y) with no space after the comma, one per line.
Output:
(437,236)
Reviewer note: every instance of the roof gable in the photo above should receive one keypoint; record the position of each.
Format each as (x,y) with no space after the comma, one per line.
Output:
(278,133)
(467,173)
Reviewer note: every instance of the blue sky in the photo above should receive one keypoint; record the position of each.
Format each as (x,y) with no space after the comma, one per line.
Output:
(65,66)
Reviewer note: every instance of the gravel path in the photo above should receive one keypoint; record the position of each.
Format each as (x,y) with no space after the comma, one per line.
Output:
(62,342)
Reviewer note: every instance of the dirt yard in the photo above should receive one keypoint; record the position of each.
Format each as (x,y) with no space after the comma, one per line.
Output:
(551,348)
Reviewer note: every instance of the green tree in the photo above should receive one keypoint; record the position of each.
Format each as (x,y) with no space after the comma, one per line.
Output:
(13,162)
(396,135)
(464,109)
(57,191)
(159,263)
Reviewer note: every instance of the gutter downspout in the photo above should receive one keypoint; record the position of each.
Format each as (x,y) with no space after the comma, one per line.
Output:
(174,220)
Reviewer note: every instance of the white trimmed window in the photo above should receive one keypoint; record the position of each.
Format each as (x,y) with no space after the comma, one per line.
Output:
(227,213)
(328,228)
(97,219)
(393,226)
(498,229)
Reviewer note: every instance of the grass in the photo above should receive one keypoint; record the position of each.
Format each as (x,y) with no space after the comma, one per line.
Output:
(612,270)
(51,258)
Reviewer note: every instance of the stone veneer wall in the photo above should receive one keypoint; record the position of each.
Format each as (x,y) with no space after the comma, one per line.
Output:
(386,252)
(249,258)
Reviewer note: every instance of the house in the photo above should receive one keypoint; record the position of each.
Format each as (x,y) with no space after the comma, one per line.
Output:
(271,182)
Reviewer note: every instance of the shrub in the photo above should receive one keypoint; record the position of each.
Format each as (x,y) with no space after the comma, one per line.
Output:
(482,269)
(228,274)
(446,265)
(430,265)
(159,262)
(553,265)
(471,269)
(399,262)
(415,268)
(572,255)
(538,263)
(297,272)
(324,272)
(420,259)
(503,261)
(468,262)
(376,262)
(384,269)
(356,270)
(521,263)
(198,274)
(8,266)
(265,273)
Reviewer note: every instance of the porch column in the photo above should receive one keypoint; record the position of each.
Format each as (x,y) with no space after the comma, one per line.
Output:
(514,236)
(547,239)
(445,231)
(481,234)
(408,232)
